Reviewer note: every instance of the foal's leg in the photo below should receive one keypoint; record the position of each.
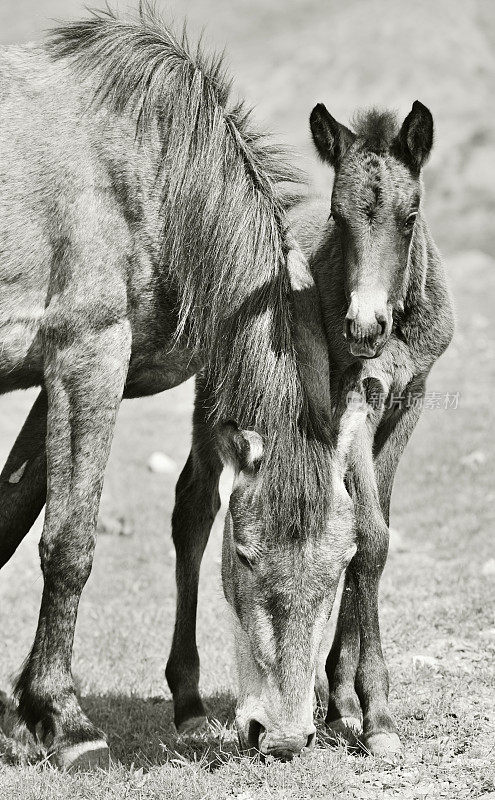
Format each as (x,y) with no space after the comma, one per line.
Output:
(23,481)
(371,682)
(358,651)
(360,676)
(380,734)
(84,381)
(196,504)
(344,710)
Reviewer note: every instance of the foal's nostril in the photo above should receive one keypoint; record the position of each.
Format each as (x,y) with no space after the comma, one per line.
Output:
(255,732)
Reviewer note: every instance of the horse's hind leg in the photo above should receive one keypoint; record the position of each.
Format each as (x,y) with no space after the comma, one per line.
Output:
(84,380)
(23,481)
(197,502)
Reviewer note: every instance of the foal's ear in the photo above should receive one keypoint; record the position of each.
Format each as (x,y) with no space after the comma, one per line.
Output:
(243,449)
(416,136)
(331,138)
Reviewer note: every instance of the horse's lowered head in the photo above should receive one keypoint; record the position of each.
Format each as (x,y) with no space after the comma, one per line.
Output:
(375,204)
(281,592)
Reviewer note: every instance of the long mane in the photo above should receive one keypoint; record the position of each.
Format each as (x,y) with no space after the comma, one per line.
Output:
(223,241)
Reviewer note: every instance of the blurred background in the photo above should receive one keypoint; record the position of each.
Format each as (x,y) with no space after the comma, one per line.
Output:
(286,55)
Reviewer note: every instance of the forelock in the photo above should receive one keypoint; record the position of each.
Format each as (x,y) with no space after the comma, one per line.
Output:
(376,129)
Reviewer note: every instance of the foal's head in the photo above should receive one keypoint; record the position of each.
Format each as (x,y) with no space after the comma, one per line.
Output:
(281,591)
(375,203)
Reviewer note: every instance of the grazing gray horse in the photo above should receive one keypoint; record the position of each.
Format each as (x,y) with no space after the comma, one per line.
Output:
(141,241)
(388,316)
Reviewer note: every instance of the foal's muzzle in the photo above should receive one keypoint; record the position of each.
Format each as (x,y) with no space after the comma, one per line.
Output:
(368,325)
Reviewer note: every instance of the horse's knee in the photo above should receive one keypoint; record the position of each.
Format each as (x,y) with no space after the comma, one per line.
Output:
(66,559)
(373,539)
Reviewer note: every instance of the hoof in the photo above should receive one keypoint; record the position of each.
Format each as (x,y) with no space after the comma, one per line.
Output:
(192,726)
(346,728)
(383,745)
(85,756)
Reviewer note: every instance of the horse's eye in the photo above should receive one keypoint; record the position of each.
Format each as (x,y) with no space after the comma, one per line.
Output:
(243,558)
(410,220)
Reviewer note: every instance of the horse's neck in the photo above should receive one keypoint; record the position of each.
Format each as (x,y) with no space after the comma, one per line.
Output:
(427,282)
(421,250)
(307,220)
(316,237)
(429,315)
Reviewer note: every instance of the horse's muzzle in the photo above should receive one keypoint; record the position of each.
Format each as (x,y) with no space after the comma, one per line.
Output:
(282,744)
(367,325)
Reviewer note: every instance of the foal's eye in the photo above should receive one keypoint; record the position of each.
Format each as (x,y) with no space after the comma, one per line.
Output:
(243,558)
(410,220)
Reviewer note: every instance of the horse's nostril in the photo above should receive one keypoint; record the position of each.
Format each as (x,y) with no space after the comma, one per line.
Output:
(255,732)
(311,741)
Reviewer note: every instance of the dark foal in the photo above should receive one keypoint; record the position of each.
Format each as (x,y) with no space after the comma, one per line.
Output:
(388,317)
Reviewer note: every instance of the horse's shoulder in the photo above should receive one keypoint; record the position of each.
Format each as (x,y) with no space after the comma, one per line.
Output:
(438,292)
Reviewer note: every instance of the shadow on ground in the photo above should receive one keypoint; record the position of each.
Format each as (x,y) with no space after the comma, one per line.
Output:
(140,732)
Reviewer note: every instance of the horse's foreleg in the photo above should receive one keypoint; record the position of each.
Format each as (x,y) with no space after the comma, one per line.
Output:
(196,504)
(23,481)
(344,710)
(84,382)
